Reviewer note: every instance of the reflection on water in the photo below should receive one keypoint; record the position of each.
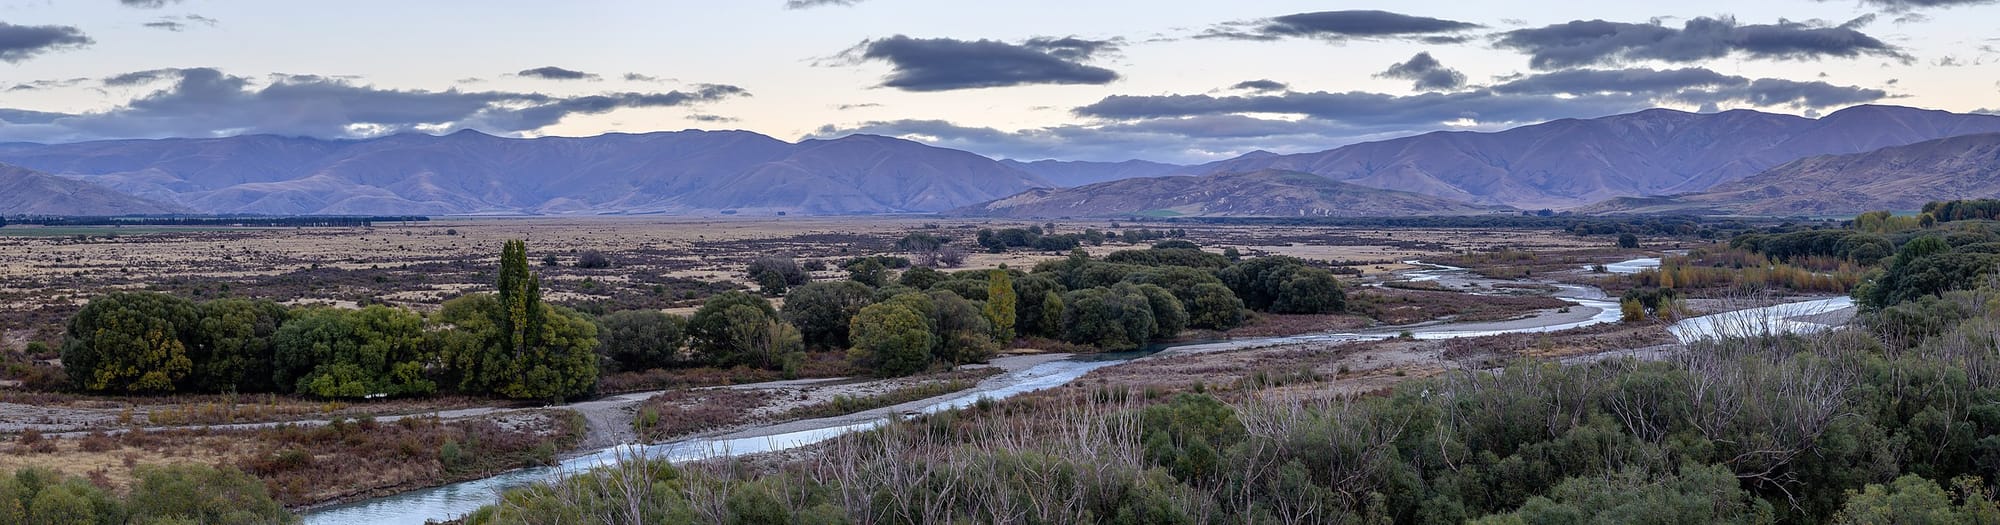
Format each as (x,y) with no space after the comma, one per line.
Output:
(1769,320)
(1632,266)
(458,499)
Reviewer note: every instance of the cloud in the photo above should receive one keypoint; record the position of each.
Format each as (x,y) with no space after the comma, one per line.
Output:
(141,77)
(942,64)
(1260,85)
(1200,128)
(845,107)
(1897,6)
(809,4)
(1696,86)
(148,4)
(698,117)
(37,85)
(641,77)
(180,23)
(1597,42)
(1343,25)
(204,102)
(556,73)
(1426,73)
(19,43)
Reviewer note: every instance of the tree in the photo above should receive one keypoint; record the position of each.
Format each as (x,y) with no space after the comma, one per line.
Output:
(1109,318)
(961,332)
(234,347)
(1052,312)
(1628,241)
(1032,293)
(771,283)
(921,278)
(761,340)
(868,271)
(1913,499)
(1284,285)
(1214,307)
(1001,305)
(716,330)
(822,310)
(1168,315)
(1698,494)
(642,339)
(785,267)
(130,342)
(376,350)
(537,351)
(892,339)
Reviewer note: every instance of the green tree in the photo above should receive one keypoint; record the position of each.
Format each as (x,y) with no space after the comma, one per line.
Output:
(1168,314)
(338,353)
(1709,494)
(539,351)
(822,310)
(892,339)
(1032,292)
(869,271)
(921,277)
(961,332)
(1628,241)
(130,342)
(642,339)
(1112,319)
(713,330)
(1001,304)
(1213,306)
(1284,285)
(1052,313)
(234,347)
(1913,499)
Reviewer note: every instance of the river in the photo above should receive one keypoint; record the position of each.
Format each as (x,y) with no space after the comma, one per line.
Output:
(1593,307)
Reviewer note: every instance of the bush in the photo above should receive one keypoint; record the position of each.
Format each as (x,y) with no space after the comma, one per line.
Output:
(131,342)
(788,271)
(593,259)
(822,311)
(636,340)
(892,339)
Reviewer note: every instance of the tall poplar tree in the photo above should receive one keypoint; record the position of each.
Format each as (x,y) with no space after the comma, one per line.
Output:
(1000,302)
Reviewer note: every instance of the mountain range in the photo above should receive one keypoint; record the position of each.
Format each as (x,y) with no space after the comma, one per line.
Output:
(1574,162)
(1264,193)
(1900,178)
(1656,159)
(472,173)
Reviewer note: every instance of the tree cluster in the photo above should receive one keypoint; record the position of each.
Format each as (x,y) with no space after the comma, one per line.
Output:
(510,344)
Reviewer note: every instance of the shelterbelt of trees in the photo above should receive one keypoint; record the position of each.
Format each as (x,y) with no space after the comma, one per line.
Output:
(1892,419)
(511,344)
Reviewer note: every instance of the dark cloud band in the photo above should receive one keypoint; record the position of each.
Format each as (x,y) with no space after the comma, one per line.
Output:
(19,43)
(1425,73)
(204,102)
(556,73)
(942,64)
(1340,25)
(1598,42)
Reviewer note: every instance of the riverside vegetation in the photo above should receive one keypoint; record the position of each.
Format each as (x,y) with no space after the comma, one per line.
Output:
(1889,419)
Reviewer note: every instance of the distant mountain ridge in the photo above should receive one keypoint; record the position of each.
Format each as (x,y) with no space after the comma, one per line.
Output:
(1559,164)
(1265,193)
(1068,174)
(473,173)
(1893,178)
(1574,162)
(28,192)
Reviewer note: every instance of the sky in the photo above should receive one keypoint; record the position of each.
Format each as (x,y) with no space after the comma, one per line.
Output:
(1103,80)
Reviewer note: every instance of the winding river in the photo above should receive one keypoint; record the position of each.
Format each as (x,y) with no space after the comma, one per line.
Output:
(1593,307)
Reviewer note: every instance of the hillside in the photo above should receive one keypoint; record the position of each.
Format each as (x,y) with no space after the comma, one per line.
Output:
(473,173)
(1266,193)
(29,192)
(1573,162)
(1893,178)
(1069,174)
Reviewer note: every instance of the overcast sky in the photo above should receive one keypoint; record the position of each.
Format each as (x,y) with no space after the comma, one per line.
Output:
(1173,81)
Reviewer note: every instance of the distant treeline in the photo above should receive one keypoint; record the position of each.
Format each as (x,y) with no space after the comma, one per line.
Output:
(218,220)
